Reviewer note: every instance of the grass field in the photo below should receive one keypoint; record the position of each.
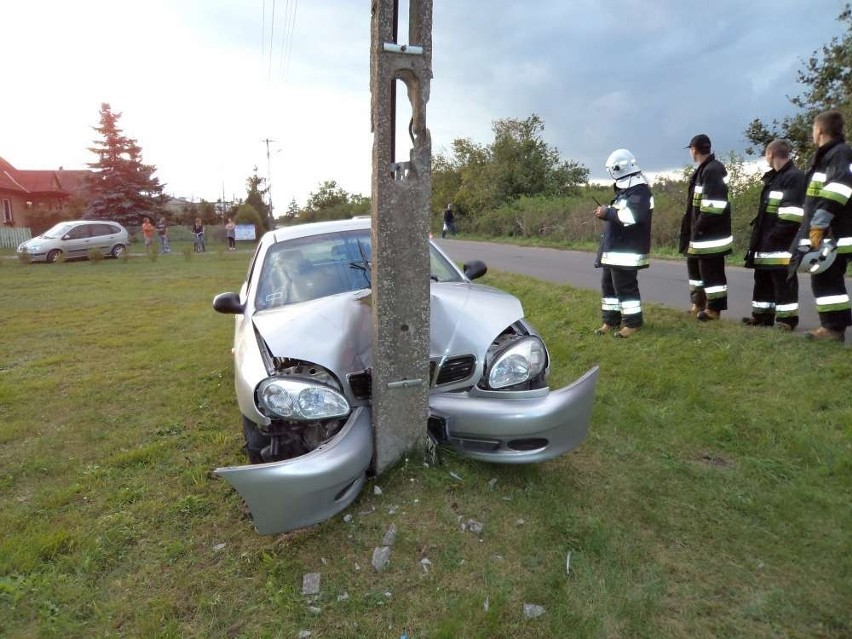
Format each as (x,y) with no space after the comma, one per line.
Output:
(712,498)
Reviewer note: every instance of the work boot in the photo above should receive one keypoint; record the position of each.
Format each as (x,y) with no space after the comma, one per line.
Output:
(603,330)
(823,334)
(708,315)
(627,331)
(695,309)
(754,321)
(784,327)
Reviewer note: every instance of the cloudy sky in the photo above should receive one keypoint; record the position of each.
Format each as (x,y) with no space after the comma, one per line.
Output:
(202,83)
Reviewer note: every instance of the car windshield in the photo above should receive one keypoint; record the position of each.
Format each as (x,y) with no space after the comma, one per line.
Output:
(321,265)
(58,230)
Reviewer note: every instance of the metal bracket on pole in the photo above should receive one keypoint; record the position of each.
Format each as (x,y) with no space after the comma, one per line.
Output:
(401,203)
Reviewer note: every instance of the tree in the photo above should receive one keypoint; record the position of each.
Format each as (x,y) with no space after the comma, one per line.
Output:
(331,202)
(256,193)
(827,76)
(122,188)
(518,163)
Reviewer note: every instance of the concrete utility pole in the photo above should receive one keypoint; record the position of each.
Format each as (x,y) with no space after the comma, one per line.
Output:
(401,194)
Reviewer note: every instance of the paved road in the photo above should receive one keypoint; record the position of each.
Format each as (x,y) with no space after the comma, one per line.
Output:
(664,282)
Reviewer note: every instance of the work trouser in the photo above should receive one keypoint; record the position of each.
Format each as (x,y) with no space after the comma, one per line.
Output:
(832,300)
(775,298)
(620,301)
(708,286)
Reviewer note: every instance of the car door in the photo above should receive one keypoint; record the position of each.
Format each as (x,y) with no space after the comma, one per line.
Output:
(77,241)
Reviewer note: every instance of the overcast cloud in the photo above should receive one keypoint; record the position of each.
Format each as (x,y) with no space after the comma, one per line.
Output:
(200,85)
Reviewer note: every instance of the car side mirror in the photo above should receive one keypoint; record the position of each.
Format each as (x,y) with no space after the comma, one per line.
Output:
(228,303)
(475,269)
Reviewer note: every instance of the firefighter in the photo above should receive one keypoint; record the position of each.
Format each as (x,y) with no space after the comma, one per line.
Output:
(828,222)
(625,245)
(705,232)
(775,299)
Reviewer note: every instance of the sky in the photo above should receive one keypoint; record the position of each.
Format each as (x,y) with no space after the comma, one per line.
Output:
(203,84)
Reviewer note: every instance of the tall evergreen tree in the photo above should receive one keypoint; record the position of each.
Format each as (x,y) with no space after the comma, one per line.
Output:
(122,188)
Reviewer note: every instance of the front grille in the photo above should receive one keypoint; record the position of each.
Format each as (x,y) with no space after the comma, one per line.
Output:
(456,369)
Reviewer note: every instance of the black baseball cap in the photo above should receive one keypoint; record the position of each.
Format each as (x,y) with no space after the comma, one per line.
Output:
(700,142)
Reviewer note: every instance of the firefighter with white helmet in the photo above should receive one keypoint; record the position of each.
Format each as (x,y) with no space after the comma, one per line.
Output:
(625,245)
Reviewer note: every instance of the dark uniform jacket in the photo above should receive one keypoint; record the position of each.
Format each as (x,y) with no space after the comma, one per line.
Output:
(830,189)
(706,225)
(626,241)
(778,218)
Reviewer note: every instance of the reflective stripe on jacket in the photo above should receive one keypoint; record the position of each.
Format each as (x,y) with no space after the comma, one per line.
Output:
(778,218)
(626,241)
(706,225)
(830,189)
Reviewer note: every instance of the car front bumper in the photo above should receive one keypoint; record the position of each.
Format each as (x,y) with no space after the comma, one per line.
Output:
(515,427)
(306,490)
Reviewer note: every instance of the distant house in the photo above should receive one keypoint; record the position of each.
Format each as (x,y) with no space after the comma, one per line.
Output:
(36,199)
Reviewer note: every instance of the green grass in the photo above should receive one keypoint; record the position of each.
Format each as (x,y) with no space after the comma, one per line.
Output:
(710,500)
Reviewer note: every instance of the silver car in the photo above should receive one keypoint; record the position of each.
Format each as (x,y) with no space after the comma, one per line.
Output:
(302,357)
(71,240)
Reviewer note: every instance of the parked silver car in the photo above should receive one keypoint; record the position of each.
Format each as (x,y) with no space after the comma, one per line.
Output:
(302,357)
(71,240)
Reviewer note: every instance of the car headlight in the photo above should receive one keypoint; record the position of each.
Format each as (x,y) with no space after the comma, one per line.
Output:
(523,360)
(299,400)
(29,247)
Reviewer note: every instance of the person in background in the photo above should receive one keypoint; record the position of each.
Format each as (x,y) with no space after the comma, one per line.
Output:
(449,221)
(828,223)
(231,233)
(147,233)
(625,245)
(198,232)
(163,232)
(705,232)
(775,299)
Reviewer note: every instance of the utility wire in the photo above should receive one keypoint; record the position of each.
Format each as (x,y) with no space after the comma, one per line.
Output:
(271,40)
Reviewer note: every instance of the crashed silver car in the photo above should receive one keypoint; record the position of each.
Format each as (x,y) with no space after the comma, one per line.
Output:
(302,358)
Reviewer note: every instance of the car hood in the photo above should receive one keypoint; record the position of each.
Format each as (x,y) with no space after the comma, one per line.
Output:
(336,332)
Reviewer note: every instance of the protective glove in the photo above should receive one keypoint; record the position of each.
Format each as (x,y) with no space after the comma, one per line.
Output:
(815,237)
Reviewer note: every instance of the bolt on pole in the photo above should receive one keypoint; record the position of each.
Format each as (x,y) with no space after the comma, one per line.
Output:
(401,197)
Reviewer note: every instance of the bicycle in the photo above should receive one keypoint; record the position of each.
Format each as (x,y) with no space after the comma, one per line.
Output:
(200,246)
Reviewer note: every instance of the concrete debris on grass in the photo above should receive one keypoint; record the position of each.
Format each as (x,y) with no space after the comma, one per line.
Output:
(343,596)
(492,483)
(486,605)
(426,564)
(304,634)
(311,583)
(219,547)
(381,558)
(531,611)
(390,536)
(315,610)
(473,526)
(568,563)
(377,490)
(455,476)
(347,519)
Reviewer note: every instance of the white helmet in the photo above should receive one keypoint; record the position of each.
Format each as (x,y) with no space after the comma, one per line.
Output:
(819,259)
(621,163)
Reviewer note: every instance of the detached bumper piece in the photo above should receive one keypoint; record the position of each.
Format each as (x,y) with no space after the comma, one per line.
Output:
(306,490)
(515,427)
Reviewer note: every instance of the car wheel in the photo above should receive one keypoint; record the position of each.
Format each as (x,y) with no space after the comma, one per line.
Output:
(118,250)
(53,256)
(255,441)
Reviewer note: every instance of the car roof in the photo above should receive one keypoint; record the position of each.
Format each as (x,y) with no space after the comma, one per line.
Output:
(316,228)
